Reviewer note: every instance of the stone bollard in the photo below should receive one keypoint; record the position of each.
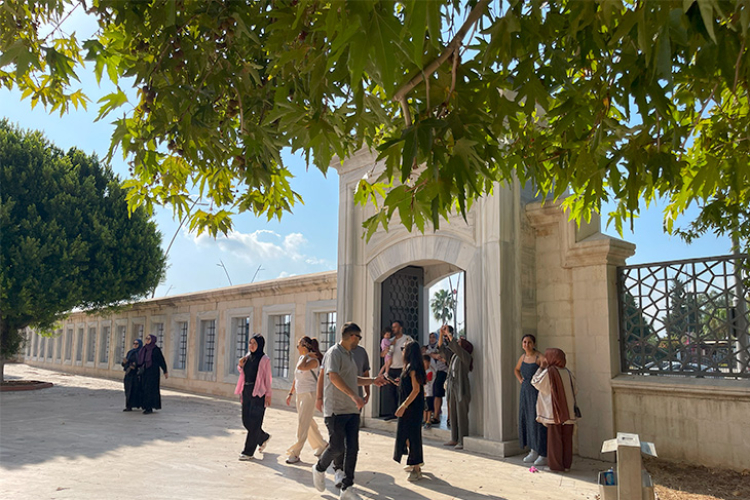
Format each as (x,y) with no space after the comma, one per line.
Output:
(631,482)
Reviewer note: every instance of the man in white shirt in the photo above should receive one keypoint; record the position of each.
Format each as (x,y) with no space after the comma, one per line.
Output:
(398,341)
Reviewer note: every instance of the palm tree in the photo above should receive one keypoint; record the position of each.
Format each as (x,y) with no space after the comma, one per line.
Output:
(443,305)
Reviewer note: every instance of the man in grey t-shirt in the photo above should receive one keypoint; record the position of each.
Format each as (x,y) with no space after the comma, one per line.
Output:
(341,405)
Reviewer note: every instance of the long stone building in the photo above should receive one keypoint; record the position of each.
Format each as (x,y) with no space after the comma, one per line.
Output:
(526,269)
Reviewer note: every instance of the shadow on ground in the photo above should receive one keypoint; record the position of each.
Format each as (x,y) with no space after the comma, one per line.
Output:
(69,422)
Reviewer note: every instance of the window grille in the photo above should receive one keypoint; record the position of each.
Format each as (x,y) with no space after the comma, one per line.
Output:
(79,345)
(42,346)
(685,318)
(242,334)
(69,345)
(138,330)
(29,342)
(327,332)
(104,345)
(208,329)
(182,340)
(91,350)
(120,354)
(281,340)
(50,348)
(159,332)
(59,347)
(35,341)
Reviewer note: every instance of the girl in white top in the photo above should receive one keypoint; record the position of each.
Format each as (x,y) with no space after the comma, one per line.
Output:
(305,385)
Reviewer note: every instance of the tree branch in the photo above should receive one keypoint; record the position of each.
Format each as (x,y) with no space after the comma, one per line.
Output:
(471,19)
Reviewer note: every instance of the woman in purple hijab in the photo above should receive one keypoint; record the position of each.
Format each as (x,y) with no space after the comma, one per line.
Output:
(150,359)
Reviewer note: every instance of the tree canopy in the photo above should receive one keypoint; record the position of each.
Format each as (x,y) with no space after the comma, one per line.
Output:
(67,238)
(622,100)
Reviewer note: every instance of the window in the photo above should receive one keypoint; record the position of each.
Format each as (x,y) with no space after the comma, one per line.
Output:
(120,346)
(281,340)
(69,345)
(208,344)
(29,342)
(59,346)
(182,341)
(138,331)
(158,331)
(50,348)
(104,345)
(35,342)
(91,346)
(241,328)
(327,330)
(42,346)
(79,345)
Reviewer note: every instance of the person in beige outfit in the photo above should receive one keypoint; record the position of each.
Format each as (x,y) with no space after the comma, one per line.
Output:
(305,385)
(555,408)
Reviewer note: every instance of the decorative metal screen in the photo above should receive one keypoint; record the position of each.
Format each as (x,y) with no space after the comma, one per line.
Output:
(208,329)
(69,345)
(42,347)
(241,337)
(104,345)
(79,345)
(685,318)
(182,339)
(282,325)
(327,331)
(50,348)
(59,347)
(402,294)
(29,342)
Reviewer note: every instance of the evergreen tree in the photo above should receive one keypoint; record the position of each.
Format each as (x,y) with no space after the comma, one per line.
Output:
(66,237)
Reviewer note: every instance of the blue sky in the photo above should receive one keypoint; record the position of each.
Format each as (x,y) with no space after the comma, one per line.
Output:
(304,241)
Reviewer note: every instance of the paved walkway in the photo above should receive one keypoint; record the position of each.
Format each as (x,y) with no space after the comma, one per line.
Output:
(72,441)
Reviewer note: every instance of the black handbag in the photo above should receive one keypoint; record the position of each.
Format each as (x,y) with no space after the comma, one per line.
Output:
(576,410)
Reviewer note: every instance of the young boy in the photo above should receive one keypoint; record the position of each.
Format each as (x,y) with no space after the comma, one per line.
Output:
(428,397)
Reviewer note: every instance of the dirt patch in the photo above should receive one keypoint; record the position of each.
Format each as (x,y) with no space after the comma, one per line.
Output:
(679,481)
(23,385)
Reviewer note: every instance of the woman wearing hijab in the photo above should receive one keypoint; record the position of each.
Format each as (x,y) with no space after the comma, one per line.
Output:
(254,388)
(131,381)
(555,408)
(150,359)
(305,384)
(410,411)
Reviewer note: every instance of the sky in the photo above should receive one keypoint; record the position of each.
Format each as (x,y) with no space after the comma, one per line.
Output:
(305,241)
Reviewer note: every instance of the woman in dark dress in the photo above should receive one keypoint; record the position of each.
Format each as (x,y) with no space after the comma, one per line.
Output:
(131,381)
(410,410)
(150,359)
(530,432)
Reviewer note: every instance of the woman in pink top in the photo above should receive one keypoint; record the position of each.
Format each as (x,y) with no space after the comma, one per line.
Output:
(255,392)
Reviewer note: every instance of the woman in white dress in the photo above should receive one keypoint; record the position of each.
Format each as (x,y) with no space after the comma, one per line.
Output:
(305,386)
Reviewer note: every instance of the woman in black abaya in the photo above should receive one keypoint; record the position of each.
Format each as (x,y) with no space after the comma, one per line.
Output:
(131,382)
(150,359)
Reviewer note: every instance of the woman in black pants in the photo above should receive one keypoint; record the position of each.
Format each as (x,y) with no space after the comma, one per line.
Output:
(131,382)
(255,387)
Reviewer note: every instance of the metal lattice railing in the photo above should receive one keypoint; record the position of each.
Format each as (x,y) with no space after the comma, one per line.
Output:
(686,318)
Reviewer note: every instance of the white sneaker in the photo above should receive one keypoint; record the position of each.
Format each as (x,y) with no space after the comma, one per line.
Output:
(349,494)
(338,478)
(263,445)
(319,478)
(533,455)
(540,461)
(245,458)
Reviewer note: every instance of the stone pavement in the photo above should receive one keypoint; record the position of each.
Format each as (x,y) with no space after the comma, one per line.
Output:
(72,441)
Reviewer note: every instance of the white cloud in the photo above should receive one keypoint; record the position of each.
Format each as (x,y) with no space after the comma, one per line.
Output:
(261,246)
